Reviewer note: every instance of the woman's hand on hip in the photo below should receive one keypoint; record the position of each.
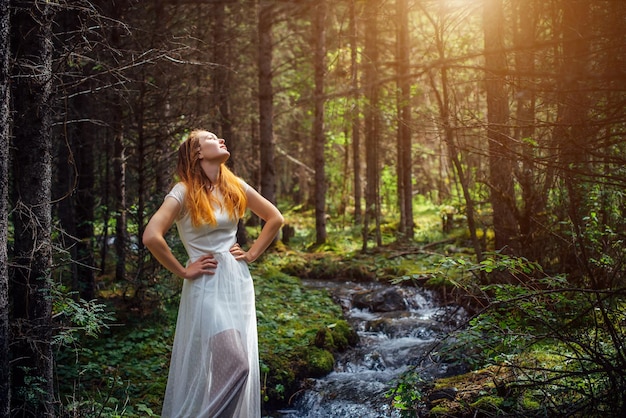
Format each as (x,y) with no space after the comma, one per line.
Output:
(239,253)
(205,264)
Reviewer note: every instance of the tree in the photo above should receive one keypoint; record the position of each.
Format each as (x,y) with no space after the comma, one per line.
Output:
(533,200)
(500,166)
(372,124)
(404,163)
(266,105)
(319,140)
(31,348)
(74,144)
(355,113)
(5,376)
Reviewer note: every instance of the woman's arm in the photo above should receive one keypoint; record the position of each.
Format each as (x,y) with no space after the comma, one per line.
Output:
(265,210)
(154,239)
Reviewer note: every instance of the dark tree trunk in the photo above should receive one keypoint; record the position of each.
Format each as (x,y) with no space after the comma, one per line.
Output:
(266,106)
(319,140)
(572,132)
(498,137)
(533,200)
(404,163)
(74,190)
(119,161)
(221,85)
(119,179)
(31,347)
(372,121)
(355,114)
(85,214)
(5,375)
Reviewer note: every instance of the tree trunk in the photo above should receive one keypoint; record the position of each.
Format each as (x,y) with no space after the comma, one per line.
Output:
(74,192)
(533,200)
(221,85)
(119,163)
(500,147)
(119,179)
(372,122)
(266,105)
(319,140)
(355,114)
(571,133)
(31,347)
(5,387)
(404,163)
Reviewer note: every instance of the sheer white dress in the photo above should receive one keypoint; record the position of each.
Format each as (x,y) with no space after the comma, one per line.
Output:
(214,369)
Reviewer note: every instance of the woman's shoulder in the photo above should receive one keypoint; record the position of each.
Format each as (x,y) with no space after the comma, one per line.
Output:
(178,192)
(243,183)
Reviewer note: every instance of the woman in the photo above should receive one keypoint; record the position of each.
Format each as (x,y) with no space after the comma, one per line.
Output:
(214,369)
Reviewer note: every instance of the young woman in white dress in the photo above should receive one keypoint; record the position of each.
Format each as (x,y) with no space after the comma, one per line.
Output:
(214,369)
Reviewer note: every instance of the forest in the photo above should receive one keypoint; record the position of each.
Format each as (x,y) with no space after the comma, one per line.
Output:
(475,149)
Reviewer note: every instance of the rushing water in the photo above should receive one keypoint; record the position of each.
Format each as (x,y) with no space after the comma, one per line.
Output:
(390,343)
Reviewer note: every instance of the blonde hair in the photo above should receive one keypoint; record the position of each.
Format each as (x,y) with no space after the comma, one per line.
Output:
(200,200)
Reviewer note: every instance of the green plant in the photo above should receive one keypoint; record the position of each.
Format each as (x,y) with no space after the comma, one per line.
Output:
(407,396)
(565,343)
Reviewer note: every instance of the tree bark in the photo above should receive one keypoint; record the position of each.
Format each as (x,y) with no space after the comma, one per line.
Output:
(319,140)
(119,161)
(5,375)
(221,85)
(571,132)
(355,114)
(533,200)
(119,179)
(372,122)
(498,136)
(31,347)
(404,163)
(266,105)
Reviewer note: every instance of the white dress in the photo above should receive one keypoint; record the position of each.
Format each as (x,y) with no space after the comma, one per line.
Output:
(214,369)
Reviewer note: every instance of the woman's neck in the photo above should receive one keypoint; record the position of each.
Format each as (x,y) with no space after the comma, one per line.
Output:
(211,171)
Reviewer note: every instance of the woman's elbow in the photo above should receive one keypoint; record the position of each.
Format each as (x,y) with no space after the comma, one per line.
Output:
(149,238)
(278,220)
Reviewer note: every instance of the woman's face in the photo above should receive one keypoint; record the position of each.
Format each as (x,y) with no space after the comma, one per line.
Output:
(212,148)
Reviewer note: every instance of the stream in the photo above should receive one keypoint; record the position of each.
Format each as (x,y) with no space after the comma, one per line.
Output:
(397,327)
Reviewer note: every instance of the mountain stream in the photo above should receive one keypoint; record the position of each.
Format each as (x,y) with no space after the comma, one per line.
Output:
(397,327)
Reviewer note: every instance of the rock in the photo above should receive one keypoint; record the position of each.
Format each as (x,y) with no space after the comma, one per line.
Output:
(386,300)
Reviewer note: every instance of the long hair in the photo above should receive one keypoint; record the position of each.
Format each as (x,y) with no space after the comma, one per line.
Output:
(200,199)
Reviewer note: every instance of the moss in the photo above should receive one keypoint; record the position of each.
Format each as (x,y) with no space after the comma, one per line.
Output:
(324,339)
(343,336)
(441,410)
(320,362)
(488,403)
(528,403)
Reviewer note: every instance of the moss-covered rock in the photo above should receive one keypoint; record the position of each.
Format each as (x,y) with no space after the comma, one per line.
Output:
(320,362)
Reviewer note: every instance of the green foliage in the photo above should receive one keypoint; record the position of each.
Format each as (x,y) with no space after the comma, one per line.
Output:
(406,396)
(122,373)
(77,318)
(564,344)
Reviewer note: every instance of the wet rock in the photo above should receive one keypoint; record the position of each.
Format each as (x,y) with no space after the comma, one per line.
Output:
(386,300)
